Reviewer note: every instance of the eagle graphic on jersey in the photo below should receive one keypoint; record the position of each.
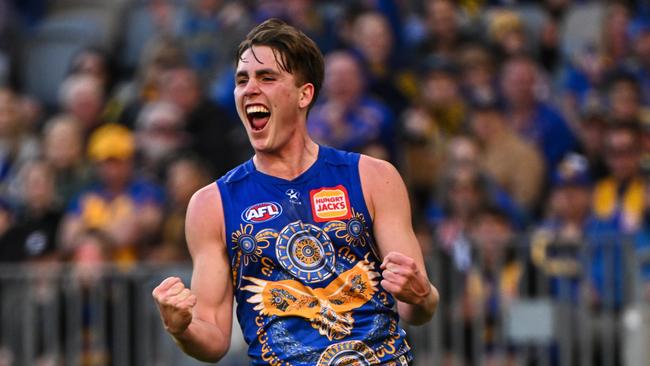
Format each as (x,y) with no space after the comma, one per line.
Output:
(327,308)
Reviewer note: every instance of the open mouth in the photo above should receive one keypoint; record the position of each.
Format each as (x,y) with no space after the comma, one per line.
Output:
(258,116)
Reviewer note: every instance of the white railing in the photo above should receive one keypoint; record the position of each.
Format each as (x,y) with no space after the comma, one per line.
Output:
(537,308)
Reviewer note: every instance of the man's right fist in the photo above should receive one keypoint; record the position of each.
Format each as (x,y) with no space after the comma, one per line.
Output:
(175,303)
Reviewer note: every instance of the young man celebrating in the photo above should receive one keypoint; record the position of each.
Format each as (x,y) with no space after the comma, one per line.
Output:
(315,244)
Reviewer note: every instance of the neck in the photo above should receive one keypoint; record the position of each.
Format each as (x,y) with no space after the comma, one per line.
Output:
(290,161)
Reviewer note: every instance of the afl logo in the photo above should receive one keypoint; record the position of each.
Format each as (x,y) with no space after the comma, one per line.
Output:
(261,212)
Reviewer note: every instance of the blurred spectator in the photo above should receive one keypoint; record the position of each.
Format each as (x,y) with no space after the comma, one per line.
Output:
(493,282)
(462,195)
(158,55)
(618,199)
(17,144)
(438,113)
(82,97)
(441,95)
(210,31)
(95,62)
(461,150)
(558,242)
(535,120)
(34,235)
(478,72)
(464,192)
(513,163)
(90,257)
(185,176)
(388,78)
(640,37)
(98,63)
(623,98)
(314,20)
(32,112)
(586,72)
(549,49)
(346,118)
(63,149)
(507,34)
(159,136)
(214,136)
(445,34)
(591,132)
(616,41)
(125,207)
(422,150)
(165,16)
(618,205)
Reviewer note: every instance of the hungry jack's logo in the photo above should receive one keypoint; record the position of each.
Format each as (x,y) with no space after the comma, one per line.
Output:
(331,203)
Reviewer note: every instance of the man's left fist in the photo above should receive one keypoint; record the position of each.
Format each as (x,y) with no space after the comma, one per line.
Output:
(403,279)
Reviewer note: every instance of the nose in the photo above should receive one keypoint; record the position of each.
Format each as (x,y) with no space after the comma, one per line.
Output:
(251,88)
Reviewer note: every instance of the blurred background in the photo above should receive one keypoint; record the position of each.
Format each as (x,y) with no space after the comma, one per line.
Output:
(522,130)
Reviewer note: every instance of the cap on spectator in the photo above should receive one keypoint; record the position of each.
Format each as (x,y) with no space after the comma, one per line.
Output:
(573,170)
(504,22)
(111,141)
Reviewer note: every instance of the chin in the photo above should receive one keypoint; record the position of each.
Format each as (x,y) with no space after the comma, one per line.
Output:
(261,145)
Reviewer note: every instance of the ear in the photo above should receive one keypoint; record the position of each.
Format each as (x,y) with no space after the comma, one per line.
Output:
(306,95)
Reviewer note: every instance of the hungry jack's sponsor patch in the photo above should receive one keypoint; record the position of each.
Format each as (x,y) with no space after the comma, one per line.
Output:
(330,203)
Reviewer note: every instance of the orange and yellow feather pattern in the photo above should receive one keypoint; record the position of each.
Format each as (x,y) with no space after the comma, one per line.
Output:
(327,308)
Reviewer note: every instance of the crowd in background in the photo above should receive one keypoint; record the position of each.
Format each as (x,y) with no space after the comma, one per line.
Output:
(504,117)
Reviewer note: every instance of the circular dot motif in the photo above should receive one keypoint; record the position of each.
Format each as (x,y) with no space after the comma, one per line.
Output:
(305,251)
(348,353)
(355,228)
(247,244)
(308,252)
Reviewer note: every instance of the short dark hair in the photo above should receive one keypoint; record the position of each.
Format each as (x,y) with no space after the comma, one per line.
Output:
(298,53)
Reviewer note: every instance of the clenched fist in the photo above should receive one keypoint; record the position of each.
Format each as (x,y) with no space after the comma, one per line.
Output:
(175,303)
(403,279)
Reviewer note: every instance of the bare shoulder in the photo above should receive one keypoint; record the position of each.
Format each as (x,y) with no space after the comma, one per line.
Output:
(378,175)
(205,219)
(379,179)
(372,168)
(207,198)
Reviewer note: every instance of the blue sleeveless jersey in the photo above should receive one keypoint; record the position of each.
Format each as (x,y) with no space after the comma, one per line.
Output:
(305,268)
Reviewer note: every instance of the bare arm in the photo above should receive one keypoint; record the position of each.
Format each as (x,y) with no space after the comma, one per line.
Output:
(403,266)
(200,319)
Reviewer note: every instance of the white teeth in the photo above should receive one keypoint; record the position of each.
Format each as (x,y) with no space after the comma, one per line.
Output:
(256,109)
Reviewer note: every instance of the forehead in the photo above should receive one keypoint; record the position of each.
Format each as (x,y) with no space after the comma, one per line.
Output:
(258,57)
(341,63)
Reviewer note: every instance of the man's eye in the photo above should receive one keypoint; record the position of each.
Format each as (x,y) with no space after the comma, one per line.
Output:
(241,81)
(268,79)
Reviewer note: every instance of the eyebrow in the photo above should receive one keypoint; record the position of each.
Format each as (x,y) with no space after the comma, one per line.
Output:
(261,72)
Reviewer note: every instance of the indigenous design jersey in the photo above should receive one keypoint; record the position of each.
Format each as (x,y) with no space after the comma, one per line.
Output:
(304,267)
